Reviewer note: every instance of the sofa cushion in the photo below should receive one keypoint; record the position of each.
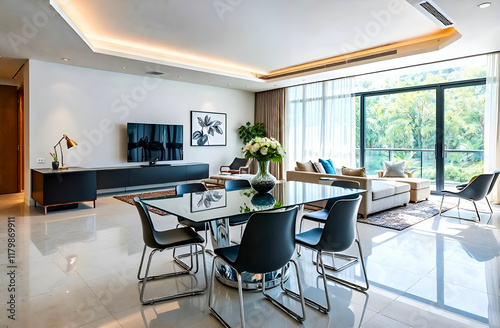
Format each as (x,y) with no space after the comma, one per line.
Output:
(328,165)
(306,166)
(358,172)
(394,169)
(384,188)
(319,167)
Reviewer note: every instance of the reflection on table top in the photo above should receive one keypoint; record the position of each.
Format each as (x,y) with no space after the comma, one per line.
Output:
(219,203)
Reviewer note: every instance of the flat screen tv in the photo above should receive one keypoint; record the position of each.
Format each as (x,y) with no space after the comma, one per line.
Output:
(154,142)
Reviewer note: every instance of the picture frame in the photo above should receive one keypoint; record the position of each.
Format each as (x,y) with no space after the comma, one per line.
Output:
(208,129)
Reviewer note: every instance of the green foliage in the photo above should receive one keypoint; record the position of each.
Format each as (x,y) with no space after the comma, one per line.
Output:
(247,132)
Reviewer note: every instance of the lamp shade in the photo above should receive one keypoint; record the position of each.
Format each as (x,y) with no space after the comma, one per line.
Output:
(70,143)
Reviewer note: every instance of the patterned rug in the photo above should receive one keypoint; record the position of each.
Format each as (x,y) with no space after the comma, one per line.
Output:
(402,217)
(129,199)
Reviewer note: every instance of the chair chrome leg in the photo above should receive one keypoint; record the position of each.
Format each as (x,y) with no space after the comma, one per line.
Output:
(211,297)
(351,260)
(460,218)
(441,206)
(299,296)
(168,275)
(349,283)
(489,205)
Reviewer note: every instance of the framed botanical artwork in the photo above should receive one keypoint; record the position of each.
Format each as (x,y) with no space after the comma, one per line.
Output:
(208,129)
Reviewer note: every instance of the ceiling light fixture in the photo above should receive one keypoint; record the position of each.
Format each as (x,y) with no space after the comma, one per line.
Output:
(484,5)
(179,76)
(65,59)
(124,67)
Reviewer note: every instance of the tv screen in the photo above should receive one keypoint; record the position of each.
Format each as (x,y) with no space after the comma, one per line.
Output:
(150,142)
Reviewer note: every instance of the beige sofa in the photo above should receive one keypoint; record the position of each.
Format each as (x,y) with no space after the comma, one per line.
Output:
(381,194)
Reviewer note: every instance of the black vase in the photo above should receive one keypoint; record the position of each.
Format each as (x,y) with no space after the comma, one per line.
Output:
(55,165)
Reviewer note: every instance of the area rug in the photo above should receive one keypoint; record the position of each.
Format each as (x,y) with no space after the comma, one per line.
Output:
(129,199)
(402,217)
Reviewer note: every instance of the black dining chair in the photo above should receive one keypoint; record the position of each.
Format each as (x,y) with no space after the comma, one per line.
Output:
(321,216)
(196,226)
(160,241)
(241,219)
(267,245)
(337,235)
(474,191)
(490,189)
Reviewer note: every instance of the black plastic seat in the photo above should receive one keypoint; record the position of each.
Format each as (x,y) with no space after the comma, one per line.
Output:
(160,241)
(267,245)
(337,235)
(474,191)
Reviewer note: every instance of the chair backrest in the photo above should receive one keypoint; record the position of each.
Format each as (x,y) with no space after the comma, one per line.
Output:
(495,177)
(237,163)
(148,230)
(478,188)
(231,185)
(339,231)
(189,188)
(268,242)
(344,184)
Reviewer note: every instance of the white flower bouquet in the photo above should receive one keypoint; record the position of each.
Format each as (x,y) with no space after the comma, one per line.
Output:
(264,149)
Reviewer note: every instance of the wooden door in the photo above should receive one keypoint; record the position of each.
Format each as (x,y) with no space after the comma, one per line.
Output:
(9,140)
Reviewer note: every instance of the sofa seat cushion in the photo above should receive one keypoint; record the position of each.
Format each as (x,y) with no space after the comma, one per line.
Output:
(384,188)
(415,183)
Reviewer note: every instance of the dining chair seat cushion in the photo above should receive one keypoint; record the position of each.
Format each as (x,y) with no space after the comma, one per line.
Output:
(198,226)
(317,216)
(309,238)
(178,237)
(239,219)
(228,254)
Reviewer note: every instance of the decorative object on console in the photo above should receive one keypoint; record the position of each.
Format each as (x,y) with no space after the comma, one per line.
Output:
(212,129)
(55,162)
(394,169)
(264,150)
(357,172)
(69,143)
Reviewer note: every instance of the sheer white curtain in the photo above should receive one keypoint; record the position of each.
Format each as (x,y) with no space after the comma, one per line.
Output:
(491,133)
(320,123)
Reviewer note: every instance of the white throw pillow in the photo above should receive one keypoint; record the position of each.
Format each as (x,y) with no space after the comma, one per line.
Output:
(394,169)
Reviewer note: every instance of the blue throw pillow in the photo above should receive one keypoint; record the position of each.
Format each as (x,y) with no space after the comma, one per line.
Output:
(328,165)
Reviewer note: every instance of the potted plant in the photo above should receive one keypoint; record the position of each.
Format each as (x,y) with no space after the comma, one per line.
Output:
(55,162)
(247,132)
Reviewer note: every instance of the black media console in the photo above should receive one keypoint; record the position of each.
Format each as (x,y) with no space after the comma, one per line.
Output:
(75,185)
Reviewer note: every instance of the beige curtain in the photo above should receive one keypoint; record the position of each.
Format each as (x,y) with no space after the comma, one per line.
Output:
(270,110)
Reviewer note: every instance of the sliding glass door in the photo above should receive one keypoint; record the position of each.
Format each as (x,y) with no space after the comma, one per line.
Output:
(436,129)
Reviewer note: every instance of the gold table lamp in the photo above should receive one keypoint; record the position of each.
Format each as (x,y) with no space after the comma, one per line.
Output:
(69,143)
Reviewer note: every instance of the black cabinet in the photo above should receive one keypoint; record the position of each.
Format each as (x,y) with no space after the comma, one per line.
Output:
(55,188)
(75,185)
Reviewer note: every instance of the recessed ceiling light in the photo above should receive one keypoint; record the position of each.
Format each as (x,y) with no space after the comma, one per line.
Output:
(154,73)
(229,84)
(65,59)
(484,5)
(124,67)
(179,76)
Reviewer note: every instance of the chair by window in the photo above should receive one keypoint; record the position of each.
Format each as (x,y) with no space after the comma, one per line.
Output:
(160,241)
(337,235)
(238,166)
(495,177)
(267,245)
(474,191)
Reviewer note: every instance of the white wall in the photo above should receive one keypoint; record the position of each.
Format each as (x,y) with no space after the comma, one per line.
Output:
(93,107)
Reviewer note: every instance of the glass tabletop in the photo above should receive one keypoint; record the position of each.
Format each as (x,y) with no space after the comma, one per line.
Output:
(219,203)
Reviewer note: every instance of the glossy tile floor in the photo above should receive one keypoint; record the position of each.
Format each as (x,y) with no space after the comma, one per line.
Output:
(77,268)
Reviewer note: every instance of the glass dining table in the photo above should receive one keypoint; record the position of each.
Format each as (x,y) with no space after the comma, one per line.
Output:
(216,206)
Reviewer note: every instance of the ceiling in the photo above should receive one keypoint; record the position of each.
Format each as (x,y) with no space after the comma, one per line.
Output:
(230,43)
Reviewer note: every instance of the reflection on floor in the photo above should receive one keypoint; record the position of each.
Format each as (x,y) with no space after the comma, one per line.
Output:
(77,268)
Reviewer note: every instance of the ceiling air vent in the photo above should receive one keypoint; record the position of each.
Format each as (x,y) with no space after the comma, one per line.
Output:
(154,73)
(432,11)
